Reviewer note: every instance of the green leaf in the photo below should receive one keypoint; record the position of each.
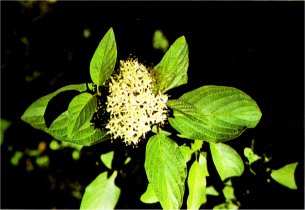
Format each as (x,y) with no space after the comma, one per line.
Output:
(214,113)
(103,61)
(197,183)
(107,159)
(285,175)
(186,152)
(227,161)
(102,193)
(80,111)
(86,136)
(250,155)
(228,192)
(82,134)
(160,41)
(211,191)
(149,195)
(34,115)
(226,206)
(166,170)
(4,124)
(196,146)
(172,70)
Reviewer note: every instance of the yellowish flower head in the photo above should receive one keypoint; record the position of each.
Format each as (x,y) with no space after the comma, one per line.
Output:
(132,103)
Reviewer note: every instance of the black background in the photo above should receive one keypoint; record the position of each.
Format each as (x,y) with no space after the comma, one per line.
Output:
(257,47)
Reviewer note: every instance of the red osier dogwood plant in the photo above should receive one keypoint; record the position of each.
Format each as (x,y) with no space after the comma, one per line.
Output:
(127,102)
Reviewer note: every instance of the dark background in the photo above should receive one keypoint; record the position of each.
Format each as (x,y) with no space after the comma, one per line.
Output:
(257,47)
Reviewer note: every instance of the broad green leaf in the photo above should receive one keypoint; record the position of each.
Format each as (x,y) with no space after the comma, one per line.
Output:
(86,136)
(103,61)
(214,113)
(101,193)
(34,115)
(172,70)
(285,175)
(197,183)
(227,161)
(107,159)
(149,195)
(160,41)
(80,111)
(166,170)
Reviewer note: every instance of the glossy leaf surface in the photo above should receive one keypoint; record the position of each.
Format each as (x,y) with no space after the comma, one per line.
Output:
(214,113)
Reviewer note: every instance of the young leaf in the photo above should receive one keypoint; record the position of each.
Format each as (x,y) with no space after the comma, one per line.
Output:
(149,196)
(103,61)
(285,175)
(166,170)
(250,155)
(80,111)
(214,113)
(34,115)
(211,191)
(227,161)
(107,159)
(172,70)
(102,193)
(160,41)
(197,183)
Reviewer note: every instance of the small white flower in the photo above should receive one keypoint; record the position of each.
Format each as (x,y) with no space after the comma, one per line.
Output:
(132,103)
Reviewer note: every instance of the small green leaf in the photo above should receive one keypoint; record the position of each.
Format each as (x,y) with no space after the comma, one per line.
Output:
(4,124)
(227,161)
(107,159)
(76,154)
(54,145)
(103,61)
(228,192)
(226,206)
(128,159)
(80,111)
(171,72)
(149,195)
(102,193)
(285,175)
(211,191)
(249,154)
(196,146)
(16,158)
(197,183)
(214,113)
(160,41)
(166,170)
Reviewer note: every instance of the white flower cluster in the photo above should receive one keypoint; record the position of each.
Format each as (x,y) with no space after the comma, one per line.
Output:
(132,105)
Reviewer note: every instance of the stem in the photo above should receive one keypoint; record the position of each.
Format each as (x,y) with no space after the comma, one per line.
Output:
(98,90)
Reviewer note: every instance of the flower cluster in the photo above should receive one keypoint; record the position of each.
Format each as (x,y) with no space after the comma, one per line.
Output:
(132,103)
